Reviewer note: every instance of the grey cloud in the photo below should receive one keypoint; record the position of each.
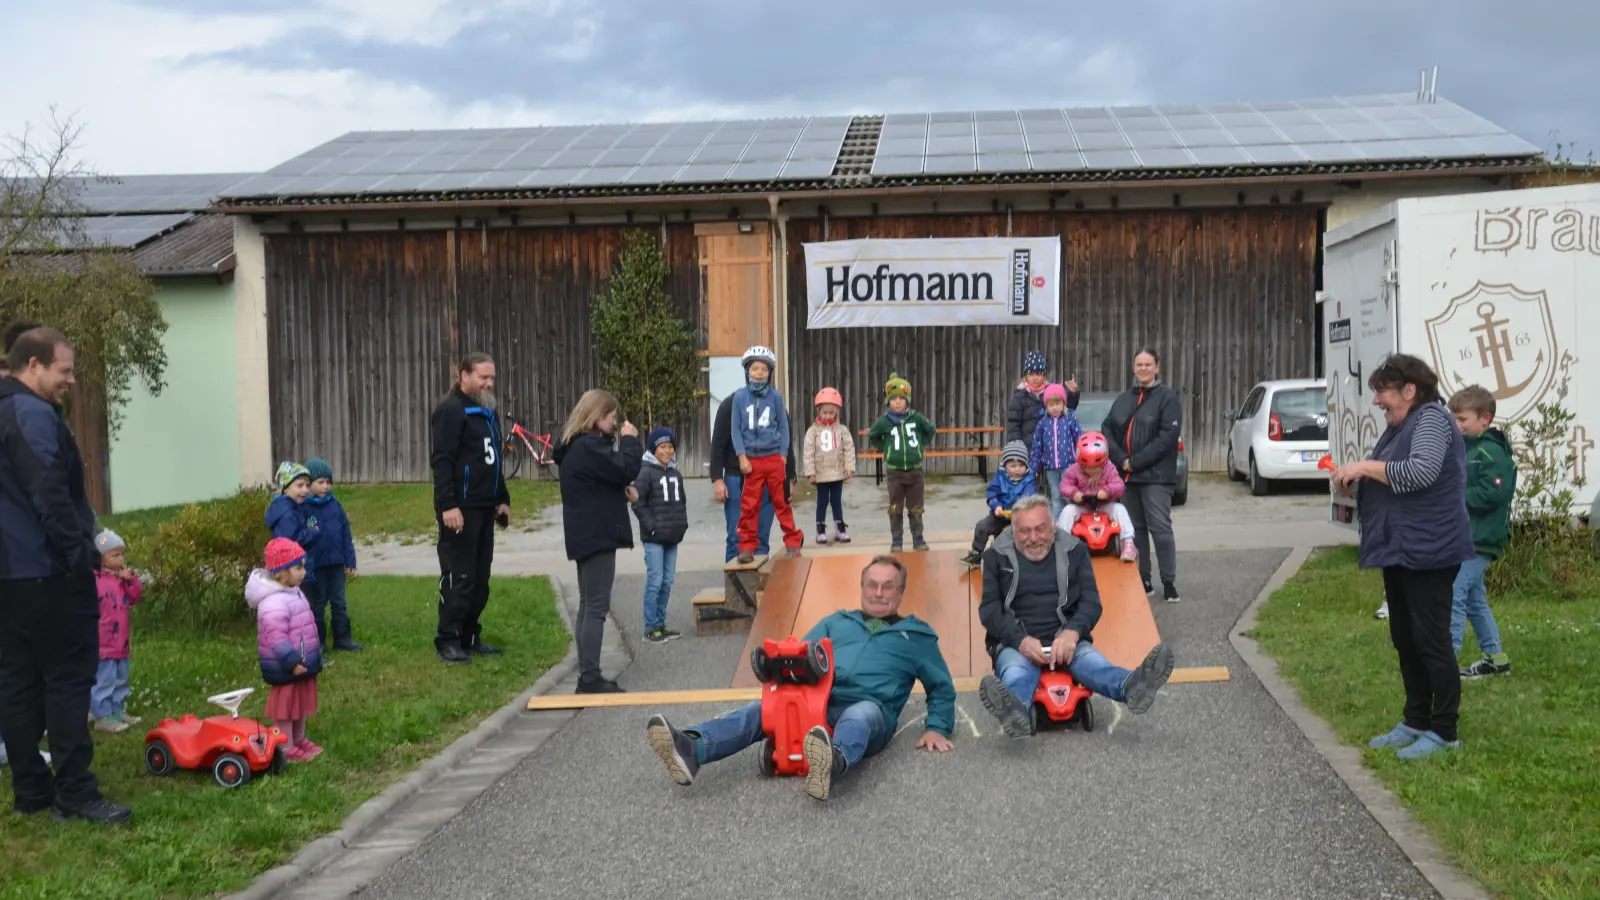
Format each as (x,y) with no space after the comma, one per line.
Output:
(1532,71)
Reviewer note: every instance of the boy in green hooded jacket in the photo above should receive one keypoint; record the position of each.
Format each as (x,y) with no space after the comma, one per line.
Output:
(1491,486)
(902,434)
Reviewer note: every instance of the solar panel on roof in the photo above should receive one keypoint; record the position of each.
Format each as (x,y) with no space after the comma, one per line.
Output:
(944,146)
(1165,158)
(1361,131)
(1001,142)
(1057,162)
(1046,126)
(1110,159)
(1308,134)
(128,231)
(1102,140)
(703,172)
(715,153)
(1257,137)
(897,165)
(902,147)
(827,151)
(950,165)
(767,150)
(762,170)
(552,177)
(653,174)
(1275,154)
(1153,140)
(603,175)
(1218,156)
(1204,137)
(1003,162)
(666,154)
(1090,125)
(1051,141)
(808,168)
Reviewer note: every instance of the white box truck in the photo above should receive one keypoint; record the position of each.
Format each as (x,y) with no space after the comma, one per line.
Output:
(1496,289)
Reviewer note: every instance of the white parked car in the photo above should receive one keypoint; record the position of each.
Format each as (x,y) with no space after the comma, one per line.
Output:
(1279,433)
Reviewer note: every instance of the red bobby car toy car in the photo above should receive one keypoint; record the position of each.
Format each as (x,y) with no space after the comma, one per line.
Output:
(1096,528)
(798,677)
(233,749)
(1060,698)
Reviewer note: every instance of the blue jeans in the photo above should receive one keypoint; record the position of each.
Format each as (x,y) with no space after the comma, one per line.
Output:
(328,591)
(110,689)
(1089,667)
(859,731)
(1471,603)
(730,513)
(660,569)
(1052,483)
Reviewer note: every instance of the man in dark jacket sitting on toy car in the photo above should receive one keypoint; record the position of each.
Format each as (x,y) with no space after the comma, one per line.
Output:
(877,655)
(1039,606)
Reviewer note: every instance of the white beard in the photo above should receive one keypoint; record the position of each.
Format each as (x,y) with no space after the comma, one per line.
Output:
(486,400)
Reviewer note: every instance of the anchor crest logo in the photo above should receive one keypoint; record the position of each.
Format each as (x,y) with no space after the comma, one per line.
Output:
(1501,337)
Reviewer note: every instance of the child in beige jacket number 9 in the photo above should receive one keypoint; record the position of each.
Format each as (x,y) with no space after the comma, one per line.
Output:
(829,460)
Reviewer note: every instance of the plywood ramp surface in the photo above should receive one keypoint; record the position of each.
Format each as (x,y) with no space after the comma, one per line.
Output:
(945,594)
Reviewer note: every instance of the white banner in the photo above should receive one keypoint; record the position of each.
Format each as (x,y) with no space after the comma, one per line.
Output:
(933,281)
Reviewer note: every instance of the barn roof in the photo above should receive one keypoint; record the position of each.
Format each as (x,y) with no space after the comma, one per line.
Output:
(1334,137)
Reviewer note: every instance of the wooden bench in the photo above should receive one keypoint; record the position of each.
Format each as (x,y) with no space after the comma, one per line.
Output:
(982,453)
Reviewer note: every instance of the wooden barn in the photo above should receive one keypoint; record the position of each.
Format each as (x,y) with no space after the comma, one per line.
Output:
(368,264)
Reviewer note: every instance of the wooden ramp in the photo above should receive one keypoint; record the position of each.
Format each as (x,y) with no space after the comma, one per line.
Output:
(945,594)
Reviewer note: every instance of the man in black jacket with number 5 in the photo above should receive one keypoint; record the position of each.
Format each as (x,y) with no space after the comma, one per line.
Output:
(469,497)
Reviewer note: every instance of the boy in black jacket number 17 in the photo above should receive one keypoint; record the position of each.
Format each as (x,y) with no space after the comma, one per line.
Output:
(469,497)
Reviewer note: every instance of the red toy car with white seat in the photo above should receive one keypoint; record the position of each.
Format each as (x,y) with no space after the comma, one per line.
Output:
(797,678)
(233,749)
(1094,526)
(1060,698)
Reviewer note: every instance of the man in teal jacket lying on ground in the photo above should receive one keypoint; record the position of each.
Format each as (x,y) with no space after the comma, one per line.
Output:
(877,655)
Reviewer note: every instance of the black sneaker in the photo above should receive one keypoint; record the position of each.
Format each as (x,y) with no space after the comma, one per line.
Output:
(1169,591)
(896,547)
(1004,706)
(919,545)
(1486,667)
(667,634)
(676,749)
(452,653)
(745,559)
(656,635)
(824,763)
(346,645)
(96,810)
(1148,588)
(599,686)
(973,558)
(1140,688)
(482,649)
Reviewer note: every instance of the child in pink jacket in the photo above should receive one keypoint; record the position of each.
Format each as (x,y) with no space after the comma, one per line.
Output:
(286,641)
(1090,480)
(119,589)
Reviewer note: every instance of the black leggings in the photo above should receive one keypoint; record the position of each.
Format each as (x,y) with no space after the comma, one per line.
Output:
(830,492)
(1419,626)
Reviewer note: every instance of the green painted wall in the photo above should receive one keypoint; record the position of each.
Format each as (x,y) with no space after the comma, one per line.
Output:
(183,446)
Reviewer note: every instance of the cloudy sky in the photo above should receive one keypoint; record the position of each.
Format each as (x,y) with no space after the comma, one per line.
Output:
(240,85)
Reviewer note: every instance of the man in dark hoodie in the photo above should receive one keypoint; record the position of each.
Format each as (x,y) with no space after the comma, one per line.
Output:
(49,620)
(1027,401)
(1491,486)
(469,497)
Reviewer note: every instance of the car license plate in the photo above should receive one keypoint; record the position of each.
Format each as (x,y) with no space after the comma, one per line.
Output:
(1310,456)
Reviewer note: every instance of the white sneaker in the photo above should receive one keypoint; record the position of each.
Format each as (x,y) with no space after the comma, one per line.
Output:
(1383,611)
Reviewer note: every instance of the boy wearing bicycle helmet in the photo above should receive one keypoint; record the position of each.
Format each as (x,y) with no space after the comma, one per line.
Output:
(761,440)
(828,458)
(1089,481)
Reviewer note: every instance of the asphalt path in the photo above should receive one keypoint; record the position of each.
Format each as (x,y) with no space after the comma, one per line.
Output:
(1213,793)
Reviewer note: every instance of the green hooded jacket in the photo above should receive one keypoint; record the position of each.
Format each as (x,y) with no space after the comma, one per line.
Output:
(1491,485)
(902,444)
(882,667)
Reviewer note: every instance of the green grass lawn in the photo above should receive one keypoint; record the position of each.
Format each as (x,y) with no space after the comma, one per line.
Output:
(1518,807)
(378,512)
(381,714)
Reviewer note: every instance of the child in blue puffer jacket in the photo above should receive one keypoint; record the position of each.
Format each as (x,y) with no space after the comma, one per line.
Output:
(288,516)
(1013,482)
(1055,443)
(333,558)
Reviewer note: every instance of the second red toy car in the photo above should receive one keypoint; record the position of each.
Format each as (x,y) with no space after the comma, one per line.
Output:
(1096,528)
(233,749)
(796,678)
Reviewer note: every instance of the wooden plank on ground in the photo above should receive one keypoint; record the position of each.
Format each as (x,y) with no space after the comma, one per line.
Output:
(1127,629)
(972,585)
(941,601)
(780,603)
(1193,675)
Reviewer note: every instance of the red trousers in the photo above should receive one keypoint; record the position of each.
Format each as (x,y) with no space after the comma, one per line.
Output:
(767,473)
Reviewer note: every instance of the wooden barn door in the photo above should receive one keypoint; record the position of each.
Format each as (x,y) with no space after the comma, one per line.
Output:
(736,290)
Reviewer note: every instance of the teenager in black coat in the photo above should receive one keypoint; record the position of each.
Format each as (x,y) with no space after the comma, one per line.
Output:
(597,476)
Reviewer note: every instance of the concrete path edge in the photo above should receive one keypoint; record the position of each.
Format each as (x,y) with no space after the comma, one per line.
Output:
(1414,841)
(366,817)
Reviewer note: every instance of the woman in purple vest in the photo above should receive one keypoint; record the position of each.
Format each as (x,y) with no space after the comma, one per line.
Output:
(1412,501)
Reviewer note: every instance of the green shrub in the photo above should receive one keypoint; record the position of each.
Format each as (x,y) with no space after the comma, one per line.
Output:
(196,563)
(1546,549)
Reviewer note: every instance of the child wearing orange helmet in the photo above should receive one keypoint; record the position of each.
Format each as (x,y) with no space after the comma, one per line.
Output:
(828,459)
(1088,480)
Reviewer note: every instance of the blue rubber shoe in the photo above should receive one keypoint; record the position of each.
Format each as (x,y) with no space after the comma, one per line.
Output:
(1428,745)
(1402,736)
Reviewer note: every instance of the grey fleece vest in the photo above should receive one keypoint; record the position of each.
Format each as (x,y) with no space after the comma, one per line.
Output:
(1426,529)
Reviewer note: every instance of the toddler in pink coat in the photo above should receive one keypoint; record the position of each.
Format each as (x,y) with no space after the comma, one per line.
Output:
(118,589)
(286,641)
(1090,481)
